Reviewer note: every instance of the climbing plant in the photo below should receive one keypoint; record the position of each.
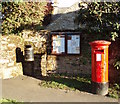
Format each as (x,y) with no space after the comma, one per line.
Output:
(101,17)
(22,15)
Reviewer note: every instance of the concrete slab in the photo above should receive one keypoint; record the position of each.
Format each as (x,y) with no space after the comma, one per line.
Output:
(27,89)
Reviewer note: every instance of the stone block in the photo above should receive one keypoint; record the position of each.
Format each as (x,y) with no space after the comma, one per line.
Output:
(2,61)
(10,64)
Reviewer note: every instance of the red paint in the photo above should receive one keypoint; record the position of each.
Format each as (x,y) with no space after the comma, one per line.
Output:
(100,60)
(98,71)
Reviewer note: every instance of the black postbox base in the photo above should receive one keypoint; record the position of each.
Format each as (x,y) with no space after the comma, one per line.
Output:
(100,88)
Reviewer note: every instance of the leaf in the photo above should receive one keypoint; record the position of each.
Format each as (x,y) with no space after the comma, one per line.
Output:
(117,64)
(9,20)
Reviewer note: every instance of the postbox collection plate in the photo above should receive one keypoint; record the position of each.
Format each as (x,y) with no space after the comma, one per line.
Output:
(98,57)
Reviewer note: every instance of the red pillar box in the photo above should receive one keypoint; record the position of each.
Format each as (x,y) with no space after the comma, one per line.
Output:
(100,66)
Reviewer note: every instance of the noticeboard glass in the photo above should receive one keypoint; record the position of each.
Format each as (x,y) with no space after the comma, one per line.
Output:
(73,44)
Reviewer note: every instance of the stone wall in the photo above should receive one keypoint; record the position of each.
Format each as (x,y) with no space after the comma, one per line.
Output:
(44,63)
(39,42)
(8,66)
(73,64)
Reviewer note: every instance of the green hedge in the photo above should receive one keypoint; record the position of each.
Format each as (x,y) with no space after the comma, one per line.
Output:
(22,15)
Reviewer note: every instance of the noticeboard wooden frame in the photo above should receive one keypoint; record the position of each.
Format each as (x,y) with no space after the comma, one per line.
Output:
(66,36)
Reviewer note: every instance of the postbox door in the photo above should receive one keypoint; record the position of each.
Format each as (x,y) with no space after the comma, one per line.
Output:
(98,65)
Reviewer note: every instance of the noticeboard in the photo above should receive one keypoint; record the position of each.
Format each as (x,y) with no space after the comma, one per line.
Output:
(58,44)
(65,43)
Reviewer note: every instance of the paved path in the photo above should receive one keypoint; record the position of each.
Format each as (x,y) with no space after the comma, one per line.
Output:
(27,89)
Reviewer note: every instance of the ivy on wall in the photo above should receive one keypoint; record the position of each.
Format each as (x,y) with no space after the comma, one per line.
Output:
(22,15)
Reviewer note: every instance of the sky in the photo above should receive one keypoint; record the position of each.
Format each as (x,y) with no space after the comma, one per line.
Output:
(66,3)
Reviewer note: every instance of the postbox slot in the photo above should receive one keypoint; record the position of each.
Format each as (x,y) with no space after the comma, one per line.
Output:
(99,51)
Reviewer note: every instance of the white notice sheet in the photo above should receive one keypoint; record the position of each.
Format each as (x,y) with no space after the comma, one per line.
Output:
(73,44)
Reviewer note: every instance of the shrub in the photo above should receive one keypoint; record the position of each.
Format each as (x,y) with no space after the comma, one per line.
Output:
(22,15)
(101,18)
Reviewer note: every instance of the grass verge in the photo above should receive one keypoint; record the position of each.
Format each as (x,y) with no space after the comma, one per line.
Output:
(76,82)
(67,82)
(9,101)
